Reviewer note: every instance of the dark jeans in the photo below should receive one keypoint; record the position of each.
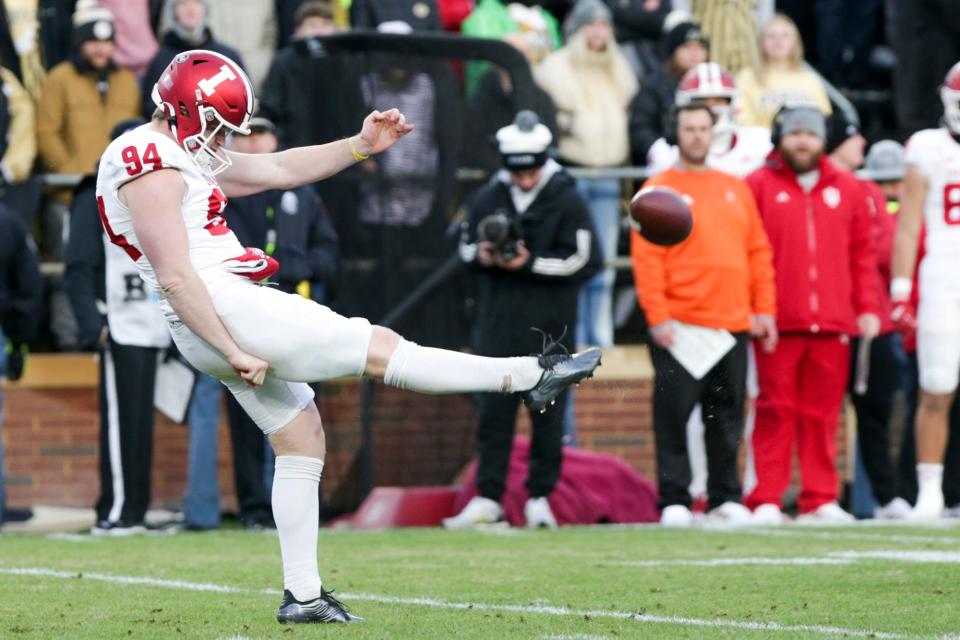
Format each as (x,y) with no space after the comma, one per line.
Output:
(874,409)
(721,392)
(497,421)
(249,458)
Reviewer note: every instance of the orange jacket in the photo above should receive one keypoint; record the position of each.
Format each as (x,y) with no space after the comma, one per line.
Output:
(723,272)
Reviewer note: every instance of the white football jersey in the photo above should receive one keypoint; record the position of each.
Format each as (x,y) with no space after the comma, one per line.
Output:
(937,156)
(143,150)
(748,153)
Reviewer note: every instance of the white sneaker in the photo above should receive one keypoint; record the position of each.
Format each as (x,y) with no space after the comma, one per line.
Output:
(952,512)
(479,512)
(731,513)
(676,515)
(767,514)
(829,513)
(896,509)
(538,514)
(929,505)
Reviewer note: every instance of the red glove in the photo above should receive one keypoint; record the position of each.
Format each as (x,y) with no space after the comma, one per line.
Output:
(253,264)
(904,317)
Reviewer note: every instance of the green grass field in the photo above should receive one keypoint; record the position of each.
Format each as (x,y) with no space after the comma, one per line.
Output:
(575,583)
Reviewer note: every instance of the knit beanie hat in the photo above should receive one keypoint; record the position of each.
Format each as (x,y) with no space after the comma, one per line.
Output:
(839,128)
(91,22)
(885,162)
(682,34)
(583,12)
(523,144)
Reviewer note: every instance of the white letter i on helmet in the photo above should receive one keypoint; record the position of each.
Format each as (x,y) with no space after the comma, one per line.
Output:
(210,85)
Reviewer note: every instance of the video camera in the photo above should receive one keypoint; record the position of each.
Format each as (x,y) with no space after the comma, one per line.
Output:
(503,232)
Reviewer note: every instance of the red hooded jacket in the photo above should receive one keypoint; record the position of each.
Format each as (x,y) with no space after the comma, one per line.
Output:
(826,269)
(884,228)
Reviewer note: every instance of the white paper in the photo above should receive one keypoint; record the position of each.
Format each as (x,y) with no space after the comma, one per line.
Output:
(173,388)
(698,349)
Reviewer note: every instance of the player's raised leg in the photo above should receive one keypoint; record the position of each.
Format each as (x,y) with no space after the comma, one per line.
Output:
(407,365)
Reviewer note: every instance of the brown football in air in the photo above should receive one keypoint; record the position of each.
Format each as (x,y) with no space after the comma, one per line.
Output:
(661,215)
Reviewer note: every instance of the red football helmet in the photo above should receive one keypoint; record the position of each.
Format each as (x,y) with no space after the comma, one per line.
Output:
(950,95)
(201,92)
(710,80)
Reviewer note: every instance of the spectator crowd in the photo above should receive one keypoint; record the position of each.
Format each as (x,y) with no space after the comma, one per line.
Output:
(767,117)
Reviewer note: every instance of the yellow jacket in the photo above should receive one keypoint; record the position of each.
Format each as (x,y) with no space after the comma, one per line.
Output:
(759,103)
(74,122)
(21,150)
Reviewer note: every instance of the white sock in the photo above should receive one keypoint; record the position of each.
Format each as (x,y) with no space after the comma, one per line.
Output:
(929,475)
(296,510)
(430,370)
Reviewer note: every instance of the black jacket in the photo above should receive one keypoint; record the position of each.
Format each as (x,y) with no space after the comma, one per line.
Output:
(56,34)
(21,287)
(564,251)
(491,108)
(170,46)
(307,247)
(650,113)
(83,279)
(311,96)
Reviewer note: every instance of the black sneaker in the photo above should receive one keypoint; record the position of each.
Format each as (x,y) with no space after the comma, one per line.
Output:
(326,608)
(560,370)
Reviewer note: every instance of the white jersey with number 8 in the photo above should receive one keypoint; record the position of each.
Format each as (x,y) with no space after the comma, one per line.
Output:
(140,151)
(936,155)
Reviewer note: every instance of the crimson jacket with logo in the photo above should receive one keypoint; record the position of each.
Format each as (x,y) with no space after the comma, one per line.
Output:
(823,255)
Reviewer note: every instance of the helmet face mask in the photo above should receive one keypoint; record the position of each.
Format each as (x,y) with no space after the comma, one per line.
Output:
(203,95)
(951,108)
(709,82)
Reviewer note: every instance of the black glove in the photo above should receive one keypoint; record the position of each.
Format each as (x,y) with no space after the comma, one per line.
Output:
(16,360)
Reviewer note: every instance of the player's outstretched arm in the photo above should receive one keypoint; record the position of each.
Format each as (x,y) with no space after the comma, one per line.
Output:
(305,165)
(909,221)
(154,201)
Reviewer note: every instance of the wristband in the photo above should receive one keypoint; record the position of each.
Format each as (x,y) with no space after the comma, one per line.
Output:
(900,289)
(359,157)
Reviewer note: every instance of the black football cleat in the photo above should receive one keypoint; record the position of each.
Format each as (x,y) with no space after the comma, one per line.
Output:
(326,608)
(560,370)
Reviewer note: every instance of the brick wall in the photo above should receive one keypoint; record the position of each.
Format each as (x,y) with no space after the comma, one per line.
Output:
(51,436)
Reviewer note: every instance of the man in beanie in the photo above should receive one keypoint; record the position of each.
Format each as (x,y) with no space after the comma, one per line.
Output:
(873,382)
(686,46)
(71,138)
(826,275)
(186,24)
(82,98)
(528,237)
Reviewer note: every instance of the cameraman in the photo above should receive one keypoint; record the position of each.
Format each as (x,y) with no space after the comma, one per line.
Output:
(529,236)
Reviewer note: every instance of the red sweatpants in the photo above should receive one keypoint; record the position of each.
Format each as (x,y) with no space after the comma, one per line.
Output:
(802,385)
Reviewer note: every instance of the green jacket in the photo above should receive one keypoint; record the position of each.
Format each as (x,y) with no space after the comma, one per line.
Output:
(491,19)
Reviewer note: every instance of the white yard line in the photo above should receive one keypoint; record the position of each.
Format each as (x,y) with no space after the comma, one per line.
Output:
(828,558)
(844,535)
(732,562)
(476,606)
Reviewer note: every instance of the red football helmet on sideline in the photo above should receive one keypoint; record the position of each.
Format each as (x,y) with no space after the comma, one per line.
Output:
(950,95)
(710,80)
(201,92)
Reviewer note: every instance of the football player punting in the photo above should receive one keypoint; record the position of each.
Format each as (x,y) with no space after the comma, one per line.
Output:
(161,190)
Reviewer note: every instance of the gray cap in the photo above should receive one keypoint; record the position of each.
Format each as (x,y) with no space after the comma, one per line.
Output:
(795,119)
(885,162)
(259,124)
(583,12)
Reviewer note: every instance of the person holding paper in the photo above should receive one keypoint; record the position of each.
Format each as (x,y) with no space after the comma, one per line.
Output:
(826,272)
(703,298)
